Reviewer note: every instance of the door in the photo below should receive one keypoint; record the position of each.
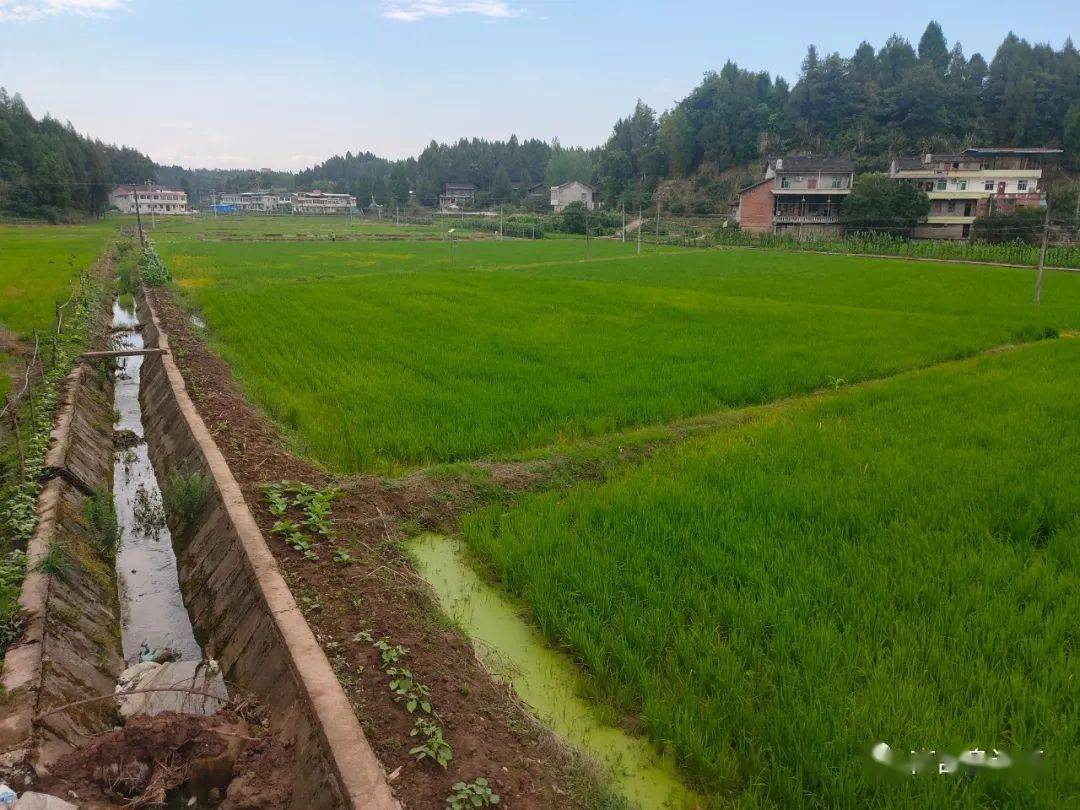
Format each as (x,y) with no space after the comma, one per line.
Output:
(811,182)
(1001,187)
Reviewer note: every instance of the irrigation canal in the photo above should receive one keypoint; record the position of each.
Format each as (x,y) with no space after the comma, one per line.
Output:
(546,680)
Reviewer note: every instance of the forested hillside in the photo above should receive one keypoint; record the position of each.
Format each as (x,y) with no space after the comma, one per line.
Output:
(899,98)
(47,169)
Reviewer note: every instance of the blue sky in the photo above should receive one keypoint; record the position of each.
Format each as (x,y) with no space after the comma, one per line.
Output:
(236,83)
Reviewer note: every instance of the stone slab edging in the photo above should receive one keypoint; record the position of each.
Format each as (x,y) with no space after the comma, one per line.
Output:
(22,662)
(68,649)
(246,650)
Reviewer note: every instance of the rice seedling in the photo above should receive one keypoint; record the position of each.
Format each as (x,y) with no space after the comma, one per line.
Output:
(892,564)
(383,356)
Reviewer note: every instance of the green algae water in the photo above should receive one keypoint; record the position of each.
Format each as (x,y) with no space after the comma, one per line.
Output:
(544,679)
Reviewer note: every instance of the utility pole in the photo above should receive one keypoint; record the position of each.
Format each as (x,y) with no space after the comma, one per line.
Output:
(138,216)
(639,228)
(1076,215)
(586,231)
(500,223)
(1042,253)
(657,222)
(624,223)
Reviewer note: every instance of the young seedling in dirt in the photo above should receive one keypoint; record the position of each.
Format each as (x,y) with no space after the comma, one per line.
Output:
(389,654)
(342,556)
(476,793)
(275,499)
(434,747)
(406,690)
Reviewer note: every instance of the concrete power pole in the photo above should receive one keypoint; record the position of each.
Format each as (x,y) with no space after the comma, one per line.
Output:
(657,222)
(1042,254)
(640,226)
(138,216)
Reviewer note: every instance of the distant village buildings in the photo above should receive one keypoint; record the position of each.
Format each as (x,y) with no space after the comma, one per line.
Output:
(570,192)
(799,193)
(310,203)
(456,196)
(804,194)
(971,184)
(151,200)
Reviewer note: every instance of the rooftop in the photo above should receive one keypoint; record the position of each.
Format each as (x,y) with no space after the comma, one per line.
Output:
(814,163)
(1011,151)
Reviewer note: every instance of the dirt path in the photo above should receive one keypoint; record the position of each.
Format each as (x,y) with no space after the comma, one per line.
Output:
(378,592)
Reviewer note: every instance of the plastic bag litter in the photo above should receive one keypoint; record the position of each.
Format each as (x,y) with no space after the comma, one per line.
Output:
(7,797)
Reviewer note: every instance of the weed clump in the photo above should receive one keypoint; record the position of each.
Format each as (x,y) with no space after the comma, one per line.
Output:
(102,525)
(185,495)
(56,561)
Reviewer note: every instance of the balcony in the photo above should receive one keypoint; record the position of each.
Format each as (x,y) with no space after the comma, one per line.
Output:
(795,218)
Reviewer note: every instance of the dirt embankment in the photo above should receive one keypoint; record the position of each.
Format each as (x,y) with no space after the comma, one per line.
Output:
(379,593)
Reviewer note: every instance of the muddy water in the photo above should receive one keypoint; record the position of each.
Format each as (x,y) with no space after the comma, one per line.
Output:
(547,681)
(153,615)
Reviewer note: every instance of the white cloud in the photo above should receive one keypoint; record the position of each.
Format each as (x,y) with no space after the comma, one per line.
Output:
(417,10)
(25,10)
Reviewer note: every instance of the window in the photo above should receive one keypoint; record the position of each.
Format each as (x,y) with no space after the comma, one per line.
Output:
(785,182)
(952,207)
(961,185)
(941,185)
(956,166)
(838,182)
(1021,185)
(988,185)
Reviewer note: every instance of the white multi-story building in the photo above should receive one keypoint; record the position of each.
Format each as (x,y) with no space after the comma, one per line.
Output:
(975,182)
(151,199)
(322,202)
(266,202)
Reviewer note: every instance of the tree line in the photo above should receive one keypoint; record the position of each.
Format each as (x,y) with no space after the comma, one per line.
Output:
(47,169)
(899,98)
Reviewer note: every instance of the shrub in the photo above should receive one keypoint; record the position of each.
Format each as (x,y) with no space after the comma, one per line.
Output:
(185,495)
(1022,225)
(152,269)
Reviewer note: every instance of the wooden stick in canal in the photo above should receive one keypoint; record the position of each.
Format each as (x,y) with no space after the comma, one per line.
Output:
(120,353)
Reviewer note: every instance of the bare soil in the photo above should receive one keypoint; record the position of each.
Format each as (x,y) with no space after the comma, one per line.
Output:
(380,593)
(224,760)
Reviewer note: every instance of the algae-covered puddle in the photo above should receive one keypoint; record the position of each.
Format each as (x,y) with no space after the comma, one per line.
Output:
(544,679)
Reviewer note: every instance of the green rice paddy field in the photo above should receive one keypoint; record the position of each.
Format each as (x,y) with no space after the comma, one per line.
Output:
(37,266)
(414,359)
(894,562)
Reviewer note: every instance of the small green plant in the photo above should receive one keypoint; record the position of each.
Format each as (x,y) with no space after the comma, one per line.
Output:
(476,793)
(298,542)
(315,506)
(363,635)
(99,511)
(433,745)
(185,495)
(56,561)
(276,501)
(12,569)
(342,556)
(406,690)
(389,654)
